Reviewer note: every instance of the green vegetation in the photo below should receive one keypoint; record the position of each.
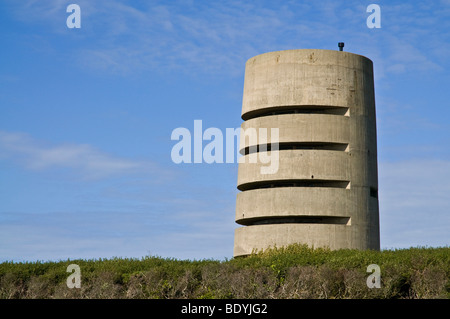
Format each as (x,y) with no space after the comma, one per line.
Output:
(292,272)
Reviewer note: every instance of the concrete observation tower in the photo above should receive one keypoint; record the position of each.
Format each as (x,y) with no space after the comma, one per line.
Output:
(325,191)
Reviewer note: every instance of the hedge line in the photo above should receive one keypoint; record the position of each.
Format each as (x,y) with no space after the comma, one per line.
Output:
(292,272)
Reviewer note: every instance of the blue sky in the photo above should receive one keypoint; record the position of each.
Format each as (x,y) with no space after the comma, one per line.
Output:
(86,117)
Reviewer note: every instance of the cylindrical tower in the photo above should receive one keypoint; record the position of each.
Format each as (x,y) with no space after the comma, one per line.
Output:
(325,190)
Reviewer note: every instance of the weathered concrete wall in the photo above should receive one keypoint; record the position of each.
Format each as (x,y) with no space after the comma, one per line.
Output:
(294,201)
(325,190)
(299,165)
(259,237)
(303,128)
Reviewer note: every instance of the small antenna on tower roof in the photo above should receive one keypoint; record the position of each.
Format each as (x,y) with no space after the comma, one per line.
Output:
(341,46)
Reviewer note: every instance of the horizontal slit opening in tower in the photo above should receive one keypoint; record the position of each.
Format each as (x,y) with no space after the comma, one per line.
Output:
(335,220)
(294,183)
(297,109)
(373,192)
(296,146)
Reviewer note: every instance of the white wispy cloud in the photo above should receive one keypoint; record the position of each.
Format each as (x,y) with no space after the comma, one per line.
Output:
(84,158)
(213,36)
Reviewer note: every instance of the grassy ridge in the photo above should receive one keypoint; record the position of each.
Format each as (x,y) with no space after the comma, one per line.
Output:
(292,272)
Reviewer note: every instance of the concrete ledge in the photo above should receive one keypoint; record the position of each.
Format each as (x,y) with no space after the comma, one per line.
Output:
(294,201)
(260,237)
(295,128)
(297,164)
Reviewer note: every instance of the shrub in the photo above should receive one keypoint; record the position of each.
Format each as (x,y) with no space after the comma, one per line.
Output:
(295,271)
